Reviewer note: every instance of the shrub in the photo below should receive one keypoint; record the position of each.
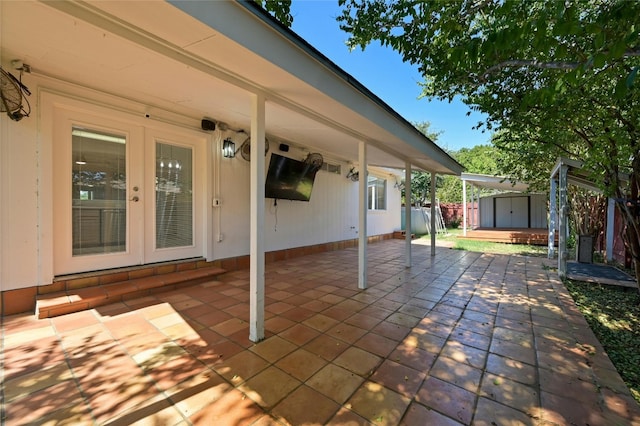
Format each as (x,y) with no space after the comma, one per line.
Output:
(455,223)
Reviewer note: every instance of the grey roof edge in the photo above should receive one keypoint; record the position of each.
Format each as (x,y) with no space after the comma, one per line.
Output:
(495,182)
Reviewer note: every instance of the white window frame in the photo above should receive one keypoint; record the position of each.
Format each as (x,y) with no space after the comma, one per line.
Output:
(375,191)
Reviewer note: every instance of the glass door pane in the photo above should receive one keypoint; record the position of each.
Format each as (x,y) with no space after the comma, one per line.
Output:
(98,179)
(174,196)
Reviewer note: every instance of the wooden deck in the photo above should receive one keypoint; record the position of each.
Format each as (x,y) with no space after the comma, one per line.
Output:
(538,236)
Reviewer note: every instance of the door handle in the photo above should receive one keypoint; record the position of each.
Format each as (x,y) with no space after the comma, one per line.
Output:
(135,199)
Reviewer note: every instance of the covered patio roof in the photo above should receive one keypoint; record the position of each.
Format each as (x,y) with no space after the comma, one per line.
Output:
(181,61)
(209,59)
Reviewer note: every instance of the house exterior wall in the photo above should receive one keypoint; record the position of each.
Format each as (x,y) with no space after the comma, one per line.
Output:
(331,214)
(26,194)
(19,213)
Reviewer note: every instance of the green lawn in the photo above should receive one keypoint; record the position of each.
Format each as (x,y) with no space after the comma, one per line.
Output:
(614,316)
(489,247)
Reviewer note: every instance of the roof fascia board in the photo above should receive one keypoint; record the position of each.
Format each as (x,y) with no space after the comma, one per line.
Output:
(273,42)
(494,182)
(583,183)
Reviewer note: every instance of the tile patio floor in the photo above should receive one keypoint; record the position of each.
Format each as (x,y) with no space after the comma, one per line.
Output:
(462,338)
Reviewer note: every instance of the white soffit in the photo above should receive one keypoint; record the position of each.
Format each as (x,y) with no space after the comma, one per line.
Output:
(207,60)
(494,182)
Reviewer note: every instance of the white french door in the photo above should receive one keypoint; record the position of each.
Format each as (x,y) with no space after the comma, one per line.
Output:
(173,211)
(124,193)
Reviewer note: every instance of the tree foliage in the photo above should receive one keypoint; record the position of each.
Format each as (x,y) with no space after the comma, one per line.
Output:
(279,9)
(421,181)
(556,78)
(480,159)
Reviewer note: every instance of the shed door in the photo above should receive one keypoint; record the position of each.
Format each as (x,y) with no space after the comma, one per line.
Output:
(520,212)
(512,212)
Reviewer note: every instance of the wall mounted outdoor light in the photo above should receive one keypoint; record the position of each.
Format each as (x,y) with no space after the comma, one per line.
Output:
(228,148)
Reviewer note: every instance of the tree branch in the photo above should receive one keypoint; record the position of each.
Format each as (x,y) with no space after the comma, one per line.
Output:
(557,65)
(475,7)
(554,65)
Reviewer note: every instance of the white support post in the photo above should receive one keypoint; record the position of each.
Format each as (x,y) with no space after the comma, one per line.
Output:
(433,214)
(563,225)
(256,272)
(464,207)
(553,212)
(474,194)
(471,221)
(362,215)
(477,208)
(478,225)
(407,214)
(611,212)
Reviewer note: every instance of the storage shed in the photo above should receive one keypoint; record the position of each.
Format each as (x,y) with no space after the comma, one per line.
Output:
(510,207)
(513,210)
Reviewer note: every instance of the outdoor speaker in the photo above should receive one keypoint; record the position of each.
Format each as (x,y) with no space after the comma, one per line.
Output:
(208,125)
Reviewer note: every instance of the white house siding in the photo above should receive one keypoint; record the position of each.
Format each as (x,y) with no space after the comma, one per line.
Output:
(19,174)
(26,199)
(381,222)
(331,214)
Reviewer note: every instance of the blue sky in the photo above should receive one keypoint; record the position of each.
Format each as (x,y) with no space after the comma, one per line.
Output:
(383,72)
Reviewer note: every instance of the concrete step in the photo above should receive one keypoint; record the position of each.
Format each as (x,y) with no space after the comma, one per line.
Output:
(75,300)
(401,235)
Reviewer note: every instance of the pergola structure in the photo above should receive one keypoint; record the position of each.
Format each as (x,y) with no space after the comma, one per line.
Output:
(567,171)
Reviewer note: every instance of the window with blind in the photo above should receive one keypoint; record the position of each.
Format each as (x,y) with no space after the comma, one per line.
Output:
(98,188)
(377,193)
(174,196)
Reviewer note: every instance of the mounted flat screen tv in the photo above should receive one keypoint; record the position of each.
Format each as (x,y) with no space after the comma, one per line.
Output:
(289,179)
